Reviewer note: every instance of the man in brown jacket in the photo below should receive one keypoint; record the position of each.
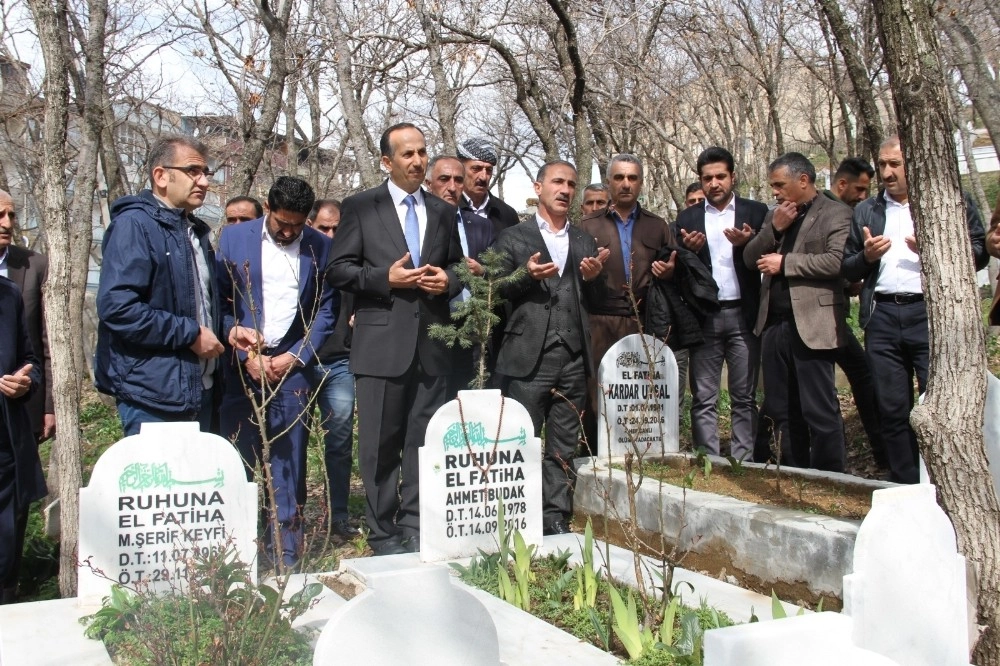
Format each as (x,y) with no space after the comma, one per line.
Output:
(799,251)
(632,236)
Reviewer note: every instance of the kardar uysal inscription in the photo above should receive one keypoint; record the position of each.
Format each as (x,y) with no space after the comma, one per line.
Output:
(156,501)
(637,398)
(479,451)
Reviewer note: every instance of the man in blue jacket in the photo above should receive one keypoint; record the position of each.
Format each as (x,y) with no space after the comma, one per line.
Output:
(157,341)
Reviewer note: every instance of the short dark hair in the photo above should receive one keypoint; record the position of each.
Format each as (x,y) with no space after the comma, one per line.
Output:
(292,194)
(165,148)
(852,168)
(384,145)
(258,209)
(714,154)
(596,187)
(437,158)
(545,167)
(797,165)
(693,187)
(320,204)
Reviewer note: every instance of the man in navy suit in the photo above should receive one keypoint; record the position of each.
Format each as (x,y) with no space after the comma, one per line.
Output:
(717,232)
(21,480)
(396,250)
(277,312)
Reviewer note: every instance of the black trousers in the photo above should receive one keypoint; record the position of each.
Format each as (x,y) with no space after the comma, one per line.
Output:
(559,371)
(852,360)
(13,519)
(392,419)
(896,341)
(793,370)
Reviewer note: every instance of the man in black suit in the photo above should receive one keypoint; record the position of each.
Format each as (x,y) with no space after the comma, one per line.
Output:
(29,270)
(717,232)
(545,355)
(479,157)
(396,249)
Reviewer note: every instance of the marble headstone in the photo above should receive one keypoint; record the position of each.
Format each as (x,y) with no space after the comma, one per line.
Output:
(410,616)
(156,500)
(637,400)
(907,593)
(479,450)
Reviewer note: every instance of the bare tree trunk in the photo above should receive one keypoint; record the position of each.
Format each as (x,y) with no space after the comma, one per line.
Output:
(949,423)
(292,153)
(858,74)
(444,96)
(967,55)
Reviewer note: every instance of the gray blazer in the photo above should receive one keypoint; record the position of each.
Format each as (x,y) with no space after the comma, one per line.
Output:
(812,267)
(524,335)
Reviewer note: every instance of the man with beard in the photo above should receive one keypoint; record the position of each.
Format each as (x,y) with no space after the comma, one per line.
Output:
(717,231)
(277,313)
(545,356)
(158,336)
(396,250)
(479,157)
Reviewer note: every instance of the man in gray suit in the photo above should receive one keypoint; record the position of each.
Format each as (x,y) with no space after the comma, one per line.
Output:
(396,250)
(798,251)
(545,355)
(29,270)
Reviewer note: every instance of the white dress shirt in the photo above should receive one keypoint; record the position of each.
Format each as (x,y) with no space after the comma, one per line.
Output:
(398,195)
(3,263)
(899,272)
(556,242)
(479,210)
(279,269)
(721,250)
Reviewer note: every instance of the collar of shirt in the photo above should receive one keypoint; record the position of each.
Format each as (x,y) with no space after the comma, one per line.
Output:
(632,216)
(478,210)
(398,194)
(712,210)
(290,248)
(889,201)
(3,263)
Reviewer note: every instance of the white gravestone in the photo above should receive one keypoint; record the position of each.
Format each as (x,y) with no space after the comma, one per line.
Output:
(991,428)
(479,450)
(157,499)
(907,592)
(637,403)
(410,616)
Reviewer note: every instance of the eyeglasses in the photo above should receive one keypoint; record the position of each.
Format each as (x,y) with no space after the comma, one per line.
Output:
(194,172)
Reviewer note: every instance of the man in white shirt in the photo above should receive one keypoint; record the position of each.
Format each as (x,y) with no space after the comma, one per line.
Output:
(277,313)
(882,250)
(545,356)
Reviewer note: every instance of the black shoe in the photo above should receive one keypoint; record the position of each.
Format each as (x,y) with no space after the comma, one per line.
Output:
(411,544)
(390,546)
(344,529)
(556,527)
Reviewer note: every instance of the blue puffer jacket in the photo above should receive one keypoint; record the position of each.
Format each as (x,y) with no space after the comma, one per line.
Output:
(147,306)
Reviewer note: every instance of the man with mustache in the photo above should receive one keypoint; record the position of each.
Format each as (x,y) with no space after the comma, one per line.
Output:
(595,198)
(632,236)
(545,355)
(882,250)
(158,336)
(29,271)
(479,157)
(396,250)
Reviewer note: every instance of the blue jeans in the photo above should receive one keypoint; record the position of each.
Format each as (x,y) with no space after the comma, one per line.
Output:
(134,415)
(335,396)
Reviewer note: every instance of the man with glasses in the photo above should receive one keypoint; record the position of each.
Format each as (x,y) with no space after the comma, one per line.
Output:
(242,209)
(158,337)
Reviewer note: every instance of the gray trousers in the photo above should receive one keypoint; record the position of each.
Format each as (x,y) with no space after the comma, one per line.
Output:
(728,339)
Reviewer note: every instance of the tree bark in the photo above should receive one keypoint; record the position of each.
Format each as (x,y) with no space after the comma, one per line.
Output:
(444,97)
(949,423)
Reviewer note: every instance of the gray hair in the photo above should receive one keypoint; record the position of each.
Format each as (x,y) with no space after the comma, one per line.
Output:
(628,158)
(797,165)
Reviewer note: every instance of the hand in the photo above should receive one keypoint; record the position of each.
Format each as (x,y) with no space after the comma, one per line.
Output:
(993,241)
(739,237)
(245,339)
(590,268)
(350,322)
(206,345)
(770,264)
(255,365)
(911,242)
(48,427)
(664,269)
(404,278)
(276,367)
(602,254)
(541,271)
(17,384)
(875,246)
(434,280)
(784,215)
(693,240)
(474,266)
